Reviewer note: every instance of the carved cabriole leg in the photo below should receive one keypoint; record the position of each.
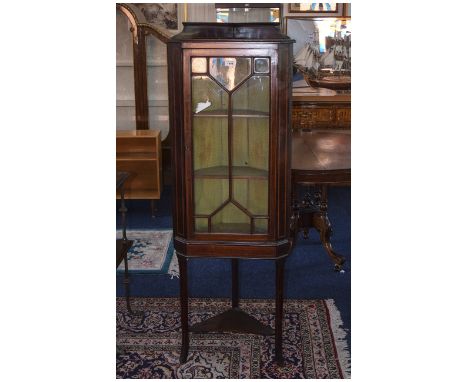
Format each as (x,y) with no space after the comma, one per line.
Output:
(279,312)
(322,224)
(183,307)
(313,213)
(306,218)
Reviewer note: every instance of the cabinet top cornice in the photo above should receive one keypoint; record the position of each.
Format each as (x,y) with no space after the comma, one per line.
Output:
(196,31)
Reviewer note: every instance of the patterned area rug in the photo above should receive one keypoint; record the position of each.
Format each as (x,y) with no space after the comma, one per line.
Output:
(152,252)
(149,346)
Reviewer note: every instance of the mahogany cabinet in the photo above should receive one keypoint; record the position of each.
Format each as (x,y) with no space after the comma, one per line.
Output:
(229,107)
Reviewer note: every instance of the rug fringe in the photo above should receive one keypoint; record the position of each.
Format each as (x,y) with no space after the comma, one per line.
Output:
(173,269)
(339,334)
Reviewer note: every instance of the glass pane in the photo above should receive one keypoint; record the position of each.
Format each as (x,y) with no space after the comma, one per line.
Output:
(238,204)
(201,224)
(253,97)
(231,220)
(210,143)
(126,117)
(230,71)
(250,147)
(209,194)
(261,225)
(210,148)
(208,97)
(156,73)
(250,144)
(252,194)
(210,162)
(262,65)
(199,65)
(124,46)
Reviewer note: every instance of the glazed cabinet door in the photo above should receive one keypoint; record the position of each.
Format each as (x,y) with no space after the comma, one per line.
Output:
(230,119)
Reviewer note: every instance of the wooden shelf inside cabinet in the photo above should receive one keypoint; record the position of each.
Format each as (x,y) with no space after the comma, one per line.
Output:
(232,228)
(136,156)
(125,103)
(237,228)
(138,152)
(235,113)
(238,172)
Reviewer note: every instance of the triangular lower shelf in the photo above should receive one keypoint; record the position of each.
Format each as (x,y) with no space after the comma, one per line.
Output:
(233,320)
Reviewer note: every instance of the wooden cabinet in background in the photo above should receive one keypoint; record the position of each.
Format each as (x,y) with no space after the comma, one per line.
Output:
(139,153)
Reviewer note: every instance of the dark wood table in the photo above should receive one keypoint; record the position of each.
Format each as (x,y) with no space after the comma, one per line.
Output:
(319,159)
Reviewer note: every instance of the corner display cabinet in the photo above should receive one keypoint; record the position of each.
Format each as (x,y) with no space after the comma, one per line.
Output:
(229,92)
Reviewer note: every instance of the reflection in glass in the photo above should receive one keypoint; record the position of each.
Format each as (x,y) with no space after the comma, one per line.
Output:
(314,7)
(208,96)
(230,71)
(199,65)
(261,65)
(253,95)
(242,14)
(320,33)
(126,116)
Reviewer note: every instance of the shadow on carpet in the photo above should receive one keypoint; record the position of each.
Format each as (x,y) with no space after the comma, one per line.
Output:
(149,346)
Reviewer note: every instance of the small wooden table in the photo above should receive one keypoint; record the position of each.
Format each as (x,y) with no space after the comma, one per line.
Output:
(138,152)
(123,245)
(319,159)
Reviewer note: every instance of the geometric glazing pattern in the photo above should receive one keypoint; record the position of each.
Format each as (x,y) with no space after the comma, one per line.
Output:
(231,146)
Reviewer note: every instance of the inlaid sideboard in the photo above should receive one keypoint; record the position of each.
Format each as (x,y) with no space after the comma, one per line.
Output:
(320,109)
(321,157)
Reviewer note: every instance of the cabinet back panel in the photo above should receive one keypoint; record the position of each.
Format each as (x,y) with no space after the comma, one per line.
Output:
(210,142)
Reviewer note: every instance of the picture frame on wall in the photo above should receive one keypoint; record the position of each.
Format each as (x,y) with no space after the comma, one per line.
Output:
(317,9)
(162,15)
(299,29)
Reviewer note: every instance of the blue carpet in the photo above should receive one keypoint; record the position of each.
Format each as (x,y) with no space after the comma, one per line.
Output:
(308,271)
